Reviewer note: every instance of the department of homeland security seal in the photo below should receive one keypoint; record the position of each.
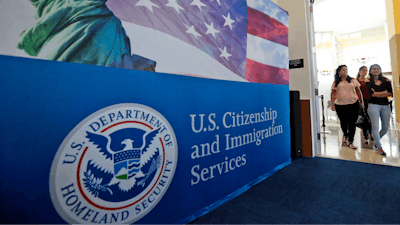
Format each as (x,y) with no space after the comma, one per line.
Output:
(114,166)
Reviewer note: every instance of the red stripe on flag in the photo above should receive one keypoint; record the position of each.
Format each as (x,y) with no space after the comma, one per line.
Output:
(263,26)
(259,73)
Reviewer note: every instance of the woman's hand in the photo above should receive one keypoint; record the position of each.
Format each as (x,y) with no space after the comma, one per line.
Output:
(333,107)
(383,94)
(380,94)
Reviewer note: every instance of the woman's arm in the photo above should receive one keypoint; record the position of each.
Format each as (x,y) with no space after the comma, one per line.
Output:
(377,94)
(384,94)
(333,97)
(360,97)
(369,88)
(389,88)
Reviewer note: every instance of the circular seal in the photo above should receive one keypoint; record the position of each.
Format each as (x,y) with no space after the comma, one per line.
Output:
(114,166)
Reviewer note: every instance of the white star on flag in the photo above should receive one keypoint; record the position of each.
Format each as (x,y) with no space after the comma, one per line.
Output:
(211,30)
(228,20)
(219,2)
(235,39)
(224,53)
(198,3)
(174,4)
(191,30)
(147,3)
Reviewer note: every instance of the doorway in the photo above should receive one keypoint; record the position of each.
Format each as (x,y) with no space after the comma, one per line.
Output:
(358,39)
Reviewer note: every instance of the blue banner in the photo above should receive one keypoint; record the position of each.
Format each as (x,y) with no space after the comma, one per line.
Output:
(91,144)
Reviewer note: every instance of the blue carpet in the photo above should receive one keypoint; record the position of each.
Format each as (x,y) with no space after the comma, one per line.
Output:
(317,190)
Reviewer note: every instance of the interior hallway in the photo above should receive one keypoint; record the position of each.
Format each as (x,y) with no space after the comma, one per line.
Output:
(332,147)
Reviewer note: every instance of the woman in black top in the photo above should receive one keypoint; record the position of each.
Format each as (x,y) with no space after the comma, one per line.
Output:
(380,89)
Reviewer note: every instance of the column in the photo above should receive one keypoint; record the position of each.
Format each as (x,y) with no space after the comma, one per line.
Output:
(393,27)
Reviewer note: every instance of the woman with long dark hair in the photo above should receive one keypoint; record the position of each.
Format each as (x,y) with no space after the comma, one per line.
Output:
(380,88)
(345,100)
(363,79)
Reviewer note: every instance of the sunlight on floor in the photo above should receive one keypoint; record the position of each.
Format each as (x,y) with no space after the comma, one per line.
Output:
(332,147)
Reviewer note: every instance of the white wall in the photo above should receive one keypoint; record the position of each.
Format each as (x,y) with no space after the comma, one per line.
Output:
(325,62)
(302,79)
(299,79)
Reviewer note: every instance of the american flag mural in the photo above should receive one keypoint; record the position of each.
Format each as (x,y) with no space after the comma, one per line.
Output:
(222,39)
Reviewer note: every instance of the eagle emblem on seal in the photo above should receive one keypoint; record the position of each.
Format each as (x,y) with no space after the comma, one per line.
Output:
(125,151)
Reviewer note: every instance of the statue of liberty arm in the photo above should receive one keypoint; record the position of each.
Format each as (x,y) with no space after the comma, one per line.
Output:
(80,31)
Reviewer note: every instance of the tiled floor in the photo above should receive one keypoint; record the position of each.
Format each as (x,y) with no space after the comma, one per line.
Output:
(332,147)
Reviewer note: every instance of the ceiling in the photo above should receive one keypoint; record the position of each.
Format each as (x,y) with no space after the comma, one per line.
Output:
(347,16)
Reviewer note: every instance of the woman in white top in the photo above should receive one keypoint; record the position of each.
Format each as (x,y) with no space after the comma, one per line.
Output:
(345,99)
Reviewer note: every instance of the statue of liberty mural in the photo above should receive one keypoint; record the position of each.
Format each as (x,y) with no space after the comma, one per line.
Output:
(80,31)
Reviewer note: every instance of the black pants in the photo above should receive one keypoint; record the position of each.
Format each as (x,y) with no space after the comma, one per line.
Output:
(366,126)
(348,115)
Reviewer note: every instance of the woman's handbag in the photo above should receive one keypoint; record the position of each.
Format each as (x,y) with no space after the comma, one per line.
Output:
(361,116)
(363,119)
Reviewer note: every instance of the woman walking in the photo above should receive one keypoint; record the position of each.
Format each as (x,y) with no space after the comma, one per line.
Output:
(363,79)
(380,89)
(345,100)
